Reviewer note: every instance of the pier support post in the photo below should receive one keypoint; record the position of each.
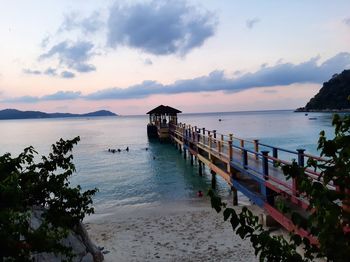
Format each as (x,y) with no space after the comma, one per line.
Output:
(185,154)
(222,142)
(265,191)
(234,196)
(210,145)
(203,136)
(275,155)
(265,164)
(245,158)
(242,145)
(213,179)
(256,148)
(191,157)
(200,171)
(229,156)
(301,163)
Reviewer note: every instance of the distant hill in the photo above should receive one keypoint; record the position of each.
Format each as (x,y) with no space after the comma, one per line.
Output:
(333,96)
(17,114)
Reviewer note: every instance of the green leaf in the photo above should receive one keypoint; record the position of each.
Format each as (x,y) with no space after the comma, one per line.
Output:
(227,213)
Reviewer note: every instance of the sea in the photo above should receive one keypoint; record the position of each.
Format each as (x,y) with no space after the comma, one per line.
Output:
(151,172)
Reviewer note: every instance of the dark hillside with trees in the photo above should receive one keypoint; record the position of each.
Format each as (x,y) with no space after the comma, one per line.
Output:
(332,96)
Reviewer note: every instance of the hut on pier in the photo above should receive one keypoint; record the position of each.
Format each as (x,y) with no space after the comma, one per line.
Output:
(160,120)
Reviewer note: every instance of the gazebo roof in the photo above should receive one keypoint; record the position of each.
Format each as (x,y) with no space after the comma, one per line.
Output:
(160,110)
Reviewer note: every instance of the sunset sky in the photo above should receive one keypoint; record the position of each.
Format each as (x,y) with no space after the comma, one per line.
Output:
(198,56)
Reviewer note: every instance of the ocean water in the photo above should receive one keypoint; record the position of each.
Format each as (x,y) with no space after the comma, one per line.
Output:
(159,174)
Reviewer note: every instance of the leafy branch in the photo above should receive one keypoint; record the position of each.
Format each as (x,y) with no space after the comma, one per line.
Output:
(328,206)
(27,187)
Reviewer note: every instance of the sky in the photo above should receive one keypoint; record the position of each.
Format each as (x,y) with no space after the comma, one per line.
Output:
(197,55)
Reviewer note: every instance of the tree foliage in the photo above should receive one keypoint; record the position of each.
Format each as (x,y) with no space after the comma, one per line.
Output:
(26,186)
(329,206)
(333,94)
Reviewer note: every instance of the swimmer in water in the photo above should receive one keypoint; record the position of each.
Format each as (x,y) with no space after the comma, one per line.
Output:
(200,193)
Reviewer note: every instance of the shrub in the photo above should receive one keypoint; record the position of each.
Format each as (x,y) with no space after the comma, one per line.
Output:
(27,186)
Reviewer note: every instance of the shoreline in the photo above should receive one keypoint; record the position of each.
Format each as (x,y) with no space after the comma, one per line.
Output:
(300,110)
(185,230)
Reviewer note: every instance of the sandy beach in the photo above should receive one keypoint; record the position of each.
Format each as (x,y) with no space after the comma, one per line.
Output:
(181,231)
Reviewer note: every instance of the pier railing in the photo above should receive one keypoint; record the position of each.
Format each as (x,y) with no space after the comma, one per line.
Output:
(247,164)
(222,145)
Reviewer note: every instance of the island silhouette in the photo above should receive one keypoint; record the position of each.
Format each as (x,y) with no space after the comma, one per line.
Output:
(17,114)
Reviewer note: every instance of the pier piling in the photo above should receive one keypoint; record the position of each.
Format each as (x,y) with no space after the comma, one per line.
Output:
(234,196)
(213,179)
(275,155)
(256,148)
(265,164)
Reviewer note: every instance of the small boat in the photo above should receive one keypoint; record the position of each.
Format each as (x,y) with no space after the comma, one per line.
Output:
(312,118)
(306,114)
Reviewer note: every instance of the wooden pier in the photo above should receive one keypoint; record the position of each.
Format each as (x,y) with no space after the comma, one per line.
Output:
(249,167)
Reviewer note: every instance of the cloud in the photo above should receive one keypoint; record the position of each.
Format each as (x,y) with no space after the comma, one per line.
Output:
(148,61)
(269,76)
(50,72)
(61,95)
(21,99)
(84,68)
(67,74)
(90,24)
(283,74)
(31,72)
(269,91)
(73,55)
(45,42)
(159,28)
(347,21)
(69,22)
(250,23)
(279,61)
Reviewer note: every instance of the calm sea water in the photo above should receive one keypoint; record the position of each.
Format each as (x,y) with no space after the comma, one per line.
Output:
(160,173)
